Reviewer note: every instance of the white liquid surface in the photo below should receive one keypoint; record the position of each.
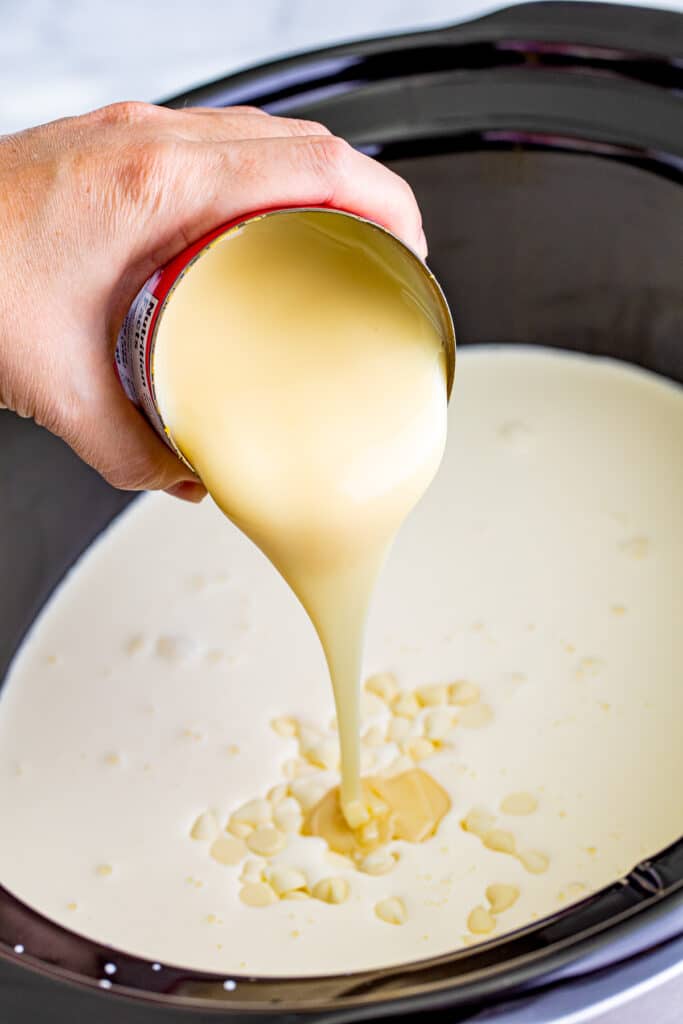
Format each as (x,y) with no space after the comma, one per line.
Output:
(544,564)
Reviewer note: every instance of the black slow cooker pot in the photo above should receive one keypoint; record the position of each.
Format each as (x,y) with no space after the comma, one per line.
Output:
(545,145)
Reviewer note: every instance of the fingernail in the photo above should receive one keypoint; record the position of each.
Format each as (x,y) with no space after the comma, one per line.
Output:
(187,491)
(423,245)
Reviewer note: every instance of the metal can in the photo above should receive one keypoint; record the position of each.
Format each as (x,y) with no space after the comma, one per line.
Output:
(134,355)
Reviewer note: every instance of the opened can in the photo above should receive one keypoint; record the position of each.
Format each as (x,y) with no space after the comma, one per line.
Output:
(134,355)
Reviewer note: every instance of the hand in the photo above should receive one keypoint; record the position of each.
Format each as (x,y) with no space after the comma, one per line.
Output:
(90,206)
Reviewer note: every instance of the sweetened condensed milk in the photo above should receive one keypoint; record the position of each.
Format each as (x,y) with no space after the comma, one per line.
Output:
(301,368)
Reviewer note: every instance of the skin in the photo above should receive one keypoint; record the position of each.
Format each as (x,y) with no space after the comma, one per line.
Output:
(90,206)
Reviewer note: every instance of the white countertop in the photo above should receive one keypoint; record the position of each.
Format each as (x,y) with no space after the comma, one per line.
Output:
(60,57)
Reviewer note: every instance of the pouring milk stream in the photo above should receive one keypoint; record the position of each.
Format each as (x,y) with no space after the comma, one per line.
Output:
(302,365)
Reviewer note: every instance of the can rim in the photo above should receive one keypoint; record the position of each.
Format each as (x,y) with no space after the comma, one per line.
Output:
(448,340)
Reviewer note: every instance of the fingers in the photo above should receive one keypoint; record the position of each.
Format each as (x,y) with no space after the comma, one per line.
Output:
(219,182)
(226,126)
(233,161)
(319,170)
(111,435)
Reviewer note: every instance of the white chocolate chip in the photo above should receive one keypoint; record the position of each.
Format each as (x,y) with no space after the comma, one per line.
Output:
(284,880)
(374,737)
(252,870)
(399,766)
(266,841)
(331,890)
(338,860)
(296,894)
(432,696)
(308,738)
(257,894)
(285,726)
(239,829)
(534,862)
(478,821)
(500,841)
(287,815)
(324,754)
(576,889)
(205,827)
(296,767)
(399,729)
(371,705)
(308,792)
(392,910)
(228,850)
(382,685)
(254,812)
(379,862)
(437,724)
(501,897)
(480,921)
(519,803)
(278,793)
(405,705)
(463,693)
(418,748)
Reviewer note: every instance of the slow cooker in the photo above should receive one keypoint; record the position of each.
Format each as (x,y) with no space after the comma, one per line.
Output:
(545,145)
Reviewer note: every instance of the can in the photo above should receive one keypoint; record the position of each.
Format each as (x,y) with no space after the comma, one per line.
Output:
(134,354)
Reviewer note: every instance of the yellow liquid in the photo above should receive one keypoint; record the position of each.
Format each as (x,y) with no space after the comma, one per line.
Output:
(299,367)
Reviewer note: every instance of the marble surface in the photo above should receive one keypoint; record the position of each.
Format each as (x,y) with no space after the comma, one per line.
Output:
(60,57)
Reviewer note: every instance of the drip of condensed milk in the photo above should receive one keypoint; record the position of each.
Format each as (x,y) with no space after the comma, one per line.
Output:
(408,806)
(300,368)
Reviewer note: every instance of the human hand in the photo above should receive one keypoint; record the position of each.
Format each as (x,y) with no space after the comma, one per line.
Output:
(90,206)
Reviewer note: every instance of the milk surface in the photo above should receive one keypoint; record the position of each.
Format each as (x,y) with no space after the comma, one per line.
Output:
(543,567)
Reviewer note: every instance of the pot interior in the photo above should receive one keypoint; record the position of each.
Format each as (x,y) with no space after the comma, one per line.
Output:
(552,220)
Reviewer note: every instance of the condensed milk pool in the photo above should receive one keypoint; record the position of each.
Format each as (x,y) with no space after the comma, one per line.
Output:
(536,575)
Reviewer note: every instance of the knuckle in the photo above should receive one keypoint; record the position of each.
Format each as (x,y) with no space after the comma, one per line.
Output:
(328,155)
(125,113)
(301,127)
(249,111)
